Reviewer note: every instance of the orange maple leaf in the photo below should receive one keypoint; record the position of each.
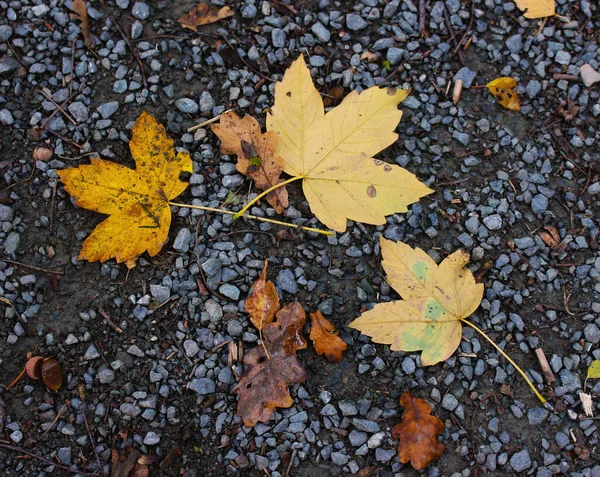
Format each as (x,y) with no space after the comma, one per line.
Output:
(326,338)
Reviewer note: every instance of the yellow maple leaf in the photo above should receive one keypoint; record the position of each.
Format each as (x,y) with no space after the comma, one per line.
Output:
(436,299)
(333,153)
(504,90)
(137,201)
(536,8)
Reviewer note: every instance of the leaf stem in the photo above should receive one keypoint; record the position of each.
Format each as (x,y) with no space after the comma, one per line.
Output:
(261,195)
(262,342)
(521,372)
(261,219)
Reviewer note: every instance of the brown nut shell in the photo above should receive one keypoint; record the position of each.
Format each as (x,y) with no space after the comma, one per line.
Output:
(34,367)
(52,374)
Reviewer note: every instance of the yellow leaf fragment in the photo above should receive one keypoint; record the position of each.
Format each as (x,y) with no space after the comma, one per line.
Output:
(594,370)
(333,152)
(436,298)
(135,200)
(504,90)
(536,8)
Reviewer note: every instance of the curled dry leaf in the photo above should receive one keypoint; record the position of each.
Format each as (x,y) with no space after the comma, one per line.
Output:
(418,432)
(263,302)
(504,90)
(536,8)
(256,154)
(204,14)
(550,236)
(42,154)
(137,201)
(263,386)
(436,299)
(333,153)
(80,14)
(326,338)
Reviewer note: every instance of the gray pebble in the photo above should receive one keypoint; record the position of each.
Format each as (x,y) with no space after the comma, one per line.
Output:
(151,439)
(91,353)
(520,461)
(493,222)
(187,105)
(6,117)
(182,240)
(207,103)
(321,32)
(449,402)
(286,281)
(357,438)
(6,213)
(230,291)
(106,110)
(592,333)
(140,10)
(278,37)
(355,22)
(466,75)
(160,292)
(539,204)
(5,33)
(191,348)
(515,43)
(106,376)
(202,386)
(79,111)
(365,425)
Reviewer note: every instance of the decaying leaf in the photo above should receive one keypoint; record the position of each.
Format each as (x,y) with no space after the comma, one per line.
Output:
(204,14)
(550,236)
(263,302)
(436,298)
(589,75)
(326,338)
(504,90)
(137,201)
(418,433)
(121,466)
(80,14)
(333,152)
(263,386)
(587,403)
(536,8)
(256,154)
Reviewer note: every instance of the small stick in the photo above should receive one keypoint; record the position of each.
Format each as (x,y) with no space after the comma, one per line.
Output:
(52,204)
(207,122)
(59,414)
(17,56)
(133,50)
(461,56)
(468,28)
(107,318)
(546,369)
(457,91)
(11,304)
(43,459)
(289,467)
(562,76)
(245,62)
(423,33)
(33,267)
(49,98)
(16,380)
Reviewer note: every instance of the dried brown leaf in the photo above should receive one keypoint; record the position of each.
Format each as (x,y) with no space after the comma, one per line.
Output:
(256,154)
(80,14)
(326,338)
(204,14)
(121,467)
(263,386)
(550,236)
(418,433)
(263,302)
(42,154)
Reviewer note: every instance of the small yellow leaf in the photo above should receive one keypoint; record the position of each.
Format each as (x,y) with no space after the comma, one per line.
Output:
(436,298)
(536,8)
(594,370)
(135,200)
(504,90)
(333,152)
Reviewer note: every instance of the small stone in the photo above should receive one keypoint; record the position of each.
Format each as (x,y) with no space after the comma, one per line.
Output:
(563,57)
(493,222)
(524,243)
(6,117)
(16,436)
(449,402)
(91,353)
(592,333)
(466,75)
(207,103)
(515,44)
(278,37)
(140,10)
(40,10)
(11,244)
(384,455)
(106,110)
(64,455)
(286,281)
(79,111)
(357,438)
(6,213)
(106,376)
(230,291)
(539,204)
(249,11)
(182,240)
(5,33)
(191,348)
(394,55)
(152,438)
(537,415)
(202,386)
(8,64)
(533,88)
(187,105)
(160,292)
(365,425)
(321,32)
(355,22)
(520,461)
(594,189)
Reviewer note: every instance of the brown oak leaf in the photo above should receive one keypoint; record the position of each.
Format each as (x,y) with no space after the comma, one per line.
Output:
(204,14)
(326,338)
(263,386)
(263,302)
(418,433)
(256,154)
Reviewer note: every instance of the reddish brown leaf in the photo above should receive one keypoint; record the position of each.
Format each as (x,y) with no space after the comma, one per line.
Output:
(263,302)
(418,433)
(550,236)
(80,14)
(256,154)
(263,386)
(204,14)
(325,338)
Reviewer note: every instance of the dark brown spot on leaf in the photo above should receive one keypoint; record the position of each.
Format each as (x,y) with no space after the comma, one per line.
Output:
(289,94)
(387,168)
(371,191)
(391,91)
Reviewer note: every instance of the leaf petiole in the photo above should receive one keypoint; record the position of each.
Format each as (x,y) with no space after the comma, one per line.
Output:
(261,219)
(261,195)
(520,371)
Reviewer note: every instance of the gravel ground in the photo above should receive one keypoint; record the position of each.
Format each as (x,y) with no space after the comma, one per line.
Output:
(164,382)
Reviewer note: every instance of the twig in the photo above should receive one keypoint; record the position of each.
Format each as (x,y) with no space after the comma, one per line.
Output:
(17,56)
(33,267)
(289,467)
(52,204)
(62,105)
(546,369)
(107,318)
(11,304)
(59,414)
(423,33)
(49,98)
(60,136)
(461,56)
(207,122)
(468,28)
(133,50)
(244,231)
(91,438)
(245,62)
(43,459)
